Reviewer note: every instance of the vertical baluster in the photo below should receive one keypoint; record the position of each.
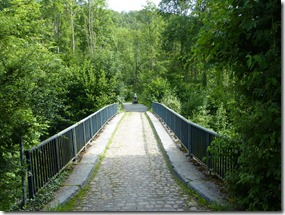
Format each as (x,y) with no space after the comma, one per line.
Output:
(190,138)
(44,163)
(48,161)
(36,169)
(206,152)
(57,155)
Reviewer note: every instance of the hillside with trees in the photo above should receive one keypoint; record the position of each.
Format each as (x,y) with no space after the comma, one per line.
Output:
(217,63)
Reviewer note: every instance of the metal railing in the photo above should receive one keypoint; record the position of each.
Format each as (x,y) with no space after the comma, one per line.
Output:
(53,154)
(195,138)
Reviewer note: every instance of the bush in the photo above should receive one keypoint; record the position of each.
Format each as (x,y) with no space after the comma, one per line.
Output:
(202,117)
(172,102)
(155,91)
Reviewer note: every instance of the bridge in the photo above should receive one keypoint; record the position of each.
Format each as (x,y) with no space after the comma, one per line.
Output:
(140,157)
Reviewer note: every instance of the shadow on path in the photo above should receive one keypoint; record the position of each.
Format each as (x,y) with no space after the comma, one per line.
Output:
(129,107)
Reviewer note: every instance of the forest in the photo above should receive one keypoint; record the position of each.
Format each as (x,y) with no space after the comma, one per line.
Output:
(216,62)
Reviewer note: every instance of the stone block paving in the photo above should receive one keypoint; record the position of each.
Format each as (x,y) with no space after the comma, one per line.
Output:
(134,176)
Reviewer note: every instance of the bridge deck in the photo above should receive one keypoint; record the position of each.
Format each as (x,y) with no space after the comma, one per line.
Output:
(133,176)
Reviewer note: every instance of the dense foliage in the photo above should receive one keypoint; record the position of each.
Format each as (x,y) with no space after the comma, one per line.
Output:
(233,53)
(53,72)
(216,62)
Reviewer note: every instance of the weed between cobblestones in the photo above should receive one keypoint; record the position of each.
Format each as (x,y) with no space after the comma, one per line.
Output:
(74,201)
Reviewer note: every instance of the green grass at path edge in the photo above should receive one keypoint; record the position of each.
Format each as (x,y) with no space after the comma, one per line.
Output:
(74,201)
(203,202)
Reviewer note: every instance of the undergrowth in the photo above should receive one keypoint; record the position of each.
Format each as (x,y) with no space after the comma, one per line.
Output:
(45,195)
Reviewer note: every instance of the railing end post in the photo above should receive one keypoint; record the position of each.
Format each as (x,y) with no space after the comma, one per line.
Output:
(30,175)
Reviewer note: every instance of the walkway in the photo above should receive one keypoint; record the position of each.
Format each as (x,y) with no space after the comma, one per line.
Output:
(134,176)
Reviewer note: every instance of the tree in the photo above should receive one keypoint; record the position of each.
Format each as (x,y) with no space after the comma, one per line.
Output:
(246,37)
(30,79)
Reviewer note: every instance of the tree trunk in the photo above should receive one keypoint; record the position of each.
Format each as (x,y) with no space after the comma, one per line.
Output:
(72,29)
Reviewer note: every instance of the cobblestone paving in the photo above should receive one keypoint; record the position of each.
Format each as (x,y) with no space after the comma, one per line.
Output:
(134,176)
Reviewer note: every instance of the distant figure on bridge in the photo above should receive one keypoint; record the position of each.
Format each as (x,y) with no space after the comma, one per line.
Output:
(135,99)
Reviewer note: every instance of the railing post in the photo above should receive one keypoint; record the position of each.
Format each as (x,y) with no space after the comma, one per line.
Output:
(91,126)
(108,113)
(101,118)
(84,135)
(207,152)
(22,157)
(74,143)
(30,175)
(57,155)
(189,139)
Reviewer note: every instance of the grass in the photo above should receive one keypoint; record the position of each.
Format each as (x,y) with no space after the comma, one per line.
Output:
(74,201)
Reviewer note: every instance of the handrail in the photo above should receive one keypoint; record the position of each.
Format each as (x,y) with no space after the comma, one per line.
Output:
(52,155)
(68,128)
(54,136)
(187,120)
(195,139)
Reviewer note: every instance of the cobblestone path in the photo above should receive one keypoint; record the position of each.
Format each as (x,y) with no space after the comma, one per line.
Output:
(133,176)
